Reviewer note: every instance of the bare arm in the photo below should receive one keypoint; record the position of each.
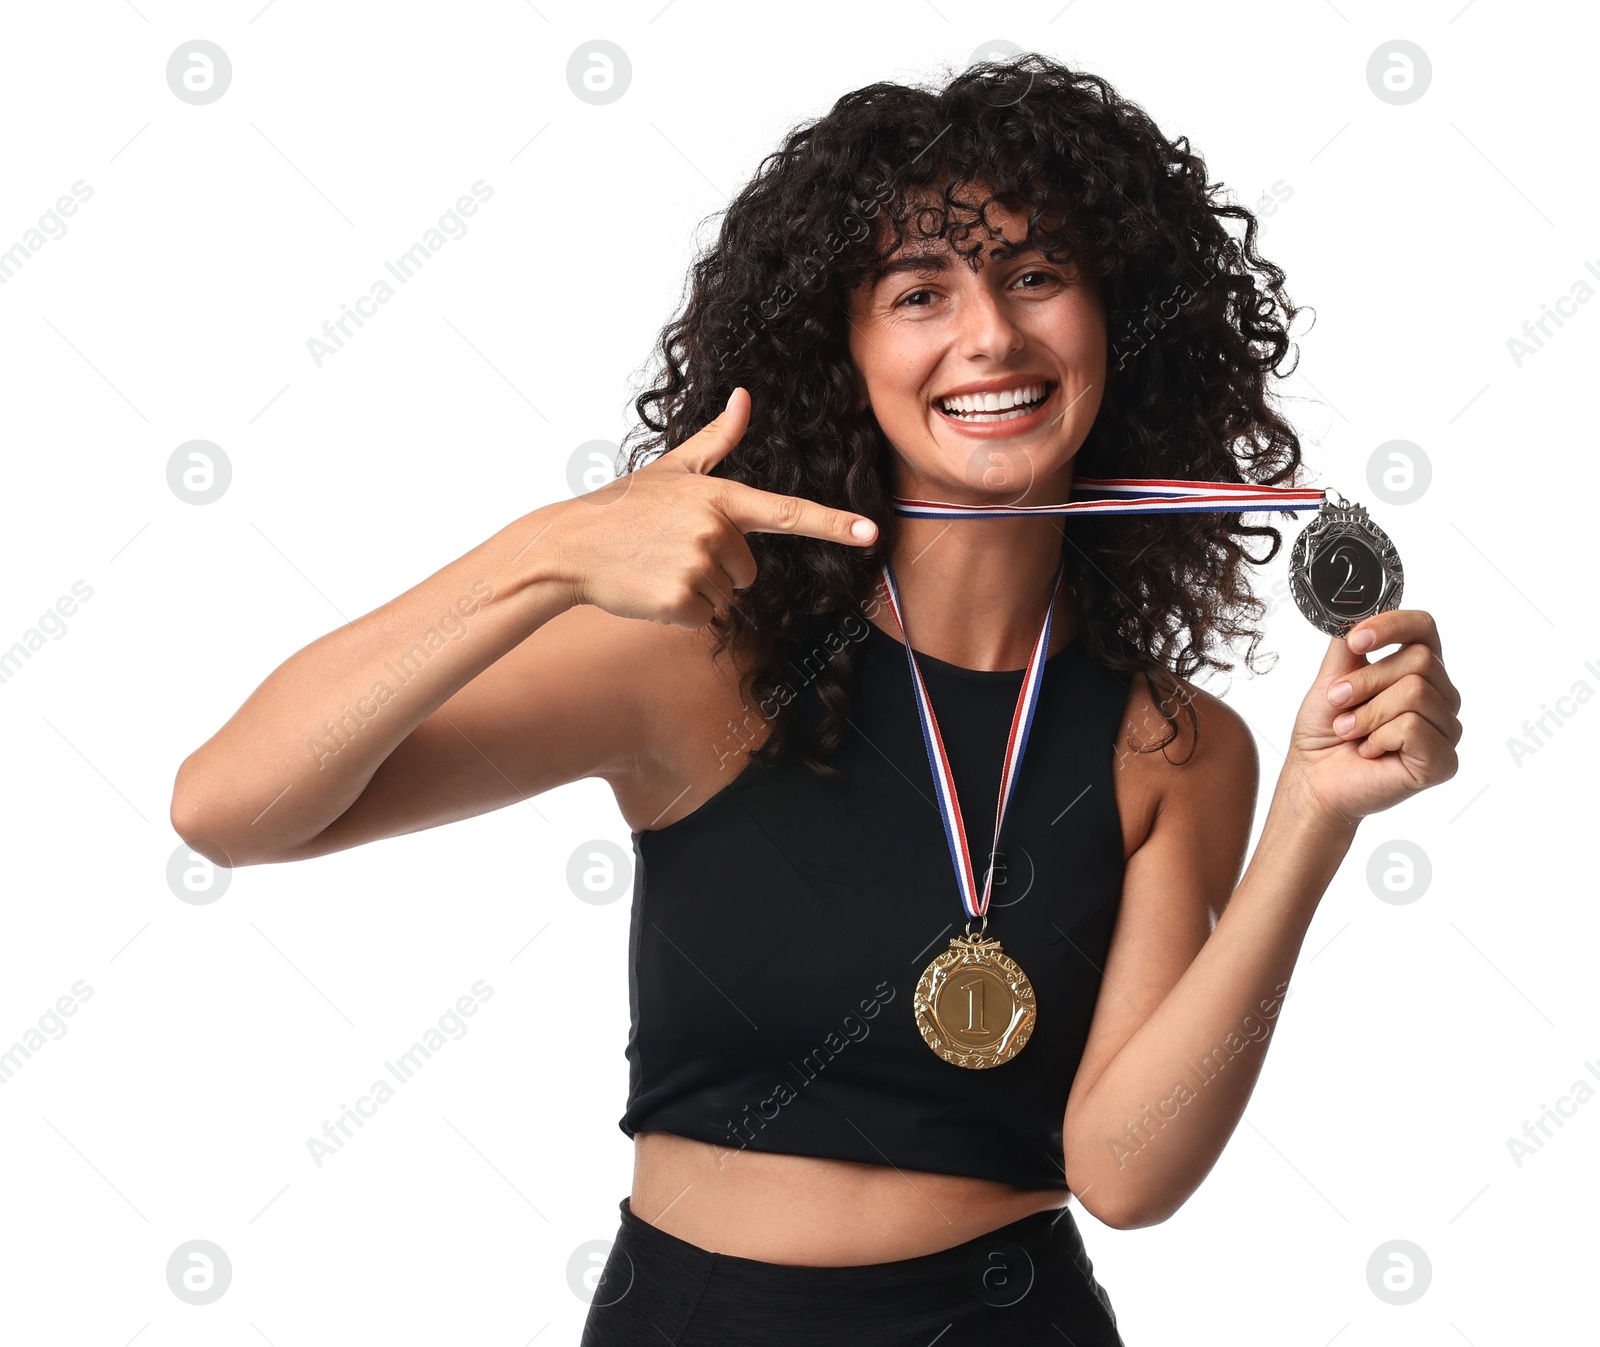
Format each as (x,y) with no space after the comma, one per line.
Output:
(308,741)
(1186,1012)
(478,687)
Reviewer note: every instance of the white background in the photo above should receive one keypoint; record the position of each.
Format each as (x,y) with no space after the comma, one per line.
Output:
(218,1037)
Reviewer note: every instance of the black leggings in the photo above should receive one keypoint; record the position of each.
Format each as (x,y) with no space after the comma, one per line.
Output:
(1027,1283)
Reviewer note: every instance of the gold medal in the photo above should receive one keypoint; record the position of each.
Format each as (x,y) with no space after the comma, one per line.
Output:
(974,1005)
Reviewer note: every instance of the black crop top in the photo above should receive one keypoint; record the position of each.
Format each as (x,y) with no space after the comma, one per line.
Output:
(778,931)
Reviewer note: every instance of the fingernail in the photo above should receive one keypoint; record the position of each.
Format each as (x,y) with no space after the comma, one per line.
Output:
(1362,640)
(863,529)
(1339,694)
(1342,724)
(729,402)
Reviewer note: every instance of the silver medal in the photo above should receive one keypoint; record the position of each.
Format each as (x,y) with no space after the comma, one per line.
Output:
(1344,568)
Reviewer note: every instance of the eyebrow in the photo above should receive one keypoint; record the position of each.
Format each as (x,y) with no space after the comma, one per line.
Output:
(934,261)
(924,264)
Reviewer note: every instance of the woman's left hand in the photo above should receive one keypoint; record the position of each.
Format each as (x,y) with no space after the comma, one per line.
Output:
(1372,732)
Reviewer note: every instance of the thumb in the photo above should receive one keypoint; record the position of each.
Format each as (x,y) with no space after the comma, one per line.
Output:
(704,450)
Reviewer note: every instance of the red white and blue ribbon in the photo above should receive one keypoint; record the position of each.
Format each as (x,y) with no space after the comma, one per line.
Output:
(944,781)
(1132,495)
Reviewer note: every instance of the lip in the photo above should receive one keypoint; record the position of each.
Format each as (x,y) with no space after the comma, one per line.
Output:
(1001,430)
(999,385)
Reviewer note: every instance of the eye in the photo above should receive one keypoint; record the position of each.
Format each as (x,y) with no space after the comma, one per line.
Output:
(1044,275)
(906,299)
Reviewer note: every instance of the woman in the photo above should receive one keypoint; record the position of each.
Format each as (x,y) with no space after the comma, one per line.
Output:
(977,294)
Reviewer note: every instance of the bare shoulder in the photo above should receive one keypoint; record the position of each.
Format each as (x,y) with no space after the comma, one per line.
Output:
(1182,751)
(689,728)
(656,681)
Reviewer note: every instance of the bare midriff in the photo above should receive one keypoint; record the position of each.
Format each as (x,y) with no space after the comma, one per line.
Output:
(813,1212)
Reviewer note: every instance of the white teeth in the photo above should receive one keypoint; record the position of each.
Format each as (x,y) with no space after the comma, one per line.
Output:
(1012,402)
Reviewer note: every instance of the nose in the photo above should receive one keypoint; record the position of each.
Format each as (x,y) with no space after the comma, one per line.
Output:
(987,330)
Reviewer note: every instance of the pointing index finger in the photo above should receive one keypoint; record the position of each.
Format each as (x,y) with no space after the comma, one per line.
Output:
(755,511)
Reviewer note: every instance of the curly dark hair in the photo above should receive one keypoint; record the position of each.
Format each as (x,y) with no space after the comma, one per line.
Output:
(1196,323)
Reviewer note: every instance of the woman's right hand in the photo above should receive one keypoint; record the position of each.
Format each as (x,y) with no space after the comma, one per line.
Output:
(666,542)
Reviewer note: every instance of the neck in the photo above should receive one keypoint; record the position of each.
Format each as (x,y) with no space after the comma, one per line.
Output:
(973,591)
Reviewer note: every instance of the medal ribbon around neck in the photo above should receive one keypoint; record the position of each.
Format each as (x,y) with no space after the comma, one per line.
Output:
(1132,495)
(976,905)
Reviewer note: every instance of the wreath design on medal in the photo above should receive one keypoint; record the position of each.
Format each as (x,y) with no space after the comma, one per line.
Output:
(1343,569)
(974,1005)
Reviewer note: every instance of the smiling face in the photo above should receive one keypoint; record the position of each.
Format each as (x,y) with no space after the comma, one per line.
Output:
(985,382)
